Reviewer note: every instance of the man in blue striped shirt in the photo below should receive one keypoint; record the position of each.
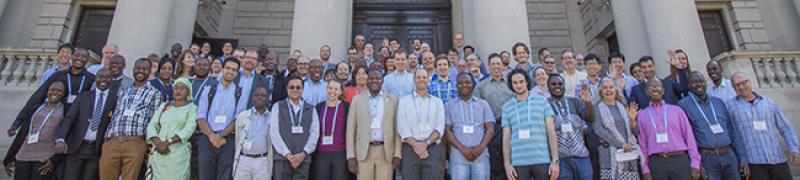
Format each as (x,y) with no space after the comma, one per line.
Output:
(760,122)
(713,131)
(443,87)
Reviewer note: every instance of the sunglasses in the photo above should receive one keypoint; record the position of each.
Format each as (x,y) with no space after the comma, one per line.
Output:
(295,87)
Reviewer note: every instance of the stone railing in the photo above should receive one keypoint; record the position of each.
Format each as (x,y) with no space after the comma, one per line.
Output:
(769,69)
(24,66)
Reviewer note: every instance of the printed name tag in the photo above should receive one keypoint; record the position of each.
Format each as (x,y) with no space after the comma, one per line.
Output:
(71,98)
(375,125)
(760,125)
(327,140)
(716,129)
(566,127)
(297,130)
(128,113)
(525,134)
(248,144)
(662,138)
(33,138)
(468,129)
(219,119)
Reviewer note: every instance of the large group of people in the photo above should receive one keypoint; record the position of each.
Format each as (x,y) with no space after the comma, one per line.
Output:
(395,113)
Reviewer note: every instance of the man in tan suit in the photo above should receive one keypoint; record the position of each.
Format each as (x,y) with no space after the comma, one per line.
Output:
(373,145)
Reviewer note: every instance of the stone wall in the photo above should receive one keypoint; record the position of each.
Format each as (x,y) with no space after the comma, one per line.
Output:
(264,21)
(549,27)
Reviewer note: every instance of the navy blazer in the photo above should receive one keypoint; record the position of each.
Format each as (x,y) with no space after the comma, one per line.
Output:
(674,90)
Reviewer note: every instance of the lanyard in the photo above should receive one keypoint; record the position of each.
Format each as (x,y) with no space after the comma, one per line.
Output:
(565,102)
(253,132)
(416,109)
(69,84)
(46,118)
(291,114)
(518,112)
(463,114)
(653,120)
(713,111)
(325,116)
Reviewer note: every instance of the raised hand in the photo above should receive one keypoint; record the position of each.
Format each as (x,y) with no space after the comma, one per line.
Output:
(586,96)
(633,111)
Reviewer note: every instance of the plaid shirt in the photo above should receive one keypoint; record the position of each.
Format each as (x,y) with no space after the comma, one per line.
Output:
(443,90)
(762,146)
(143,102)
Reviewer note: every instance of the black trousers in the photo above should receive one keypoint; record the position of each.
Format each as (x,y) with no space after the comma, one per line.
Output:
(675,167)
(30,171)
(533,171)
(779,171)
(498,170)
(329,166)
(282,170)
(414,168)
(82,165)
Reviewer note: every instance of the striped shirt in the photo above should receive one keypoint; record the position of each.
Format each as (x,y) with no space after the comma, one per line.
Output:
(763,146)
(135,108)
(443,90)
(528,115)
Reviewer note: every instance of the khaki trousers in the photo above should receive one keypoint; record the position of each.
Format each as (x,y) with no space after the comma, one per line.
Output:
(375,165)
(122,156)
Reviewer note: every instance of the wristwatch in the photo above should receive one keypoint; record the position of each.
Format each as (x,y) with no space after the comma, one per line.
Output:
(555,161)
(169,140)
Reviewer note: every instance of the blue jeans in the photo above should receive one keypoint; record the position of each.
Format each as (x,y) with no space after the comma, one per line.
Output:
(724,166)
(575,168)
(477,170)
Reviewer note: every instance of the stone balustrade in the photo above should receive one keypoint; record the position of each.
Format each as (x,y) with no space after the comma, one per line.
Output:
(24,66)
(771,69)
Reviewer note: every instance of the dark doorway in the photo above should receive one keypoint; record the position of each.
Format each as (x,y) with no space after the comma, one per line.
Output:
(717,38)
(430,20)
(93,26)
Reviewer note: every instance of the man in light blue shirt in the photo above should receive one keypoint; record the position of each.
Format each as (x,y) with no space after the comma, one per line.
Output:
(64,55)
(316,89)
(248,79)
(400,82)
(420,123)
(469,130)
(720,87)
(215,117)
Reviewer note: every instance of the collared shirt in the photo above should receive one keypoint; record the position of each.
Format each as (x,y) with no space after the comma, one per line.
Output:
(376,106)
(140,103)
(531,67)
(572,82)
(528,115)
(568,112)
(593,86)
(246,83)
(468,119)
(223,109)
(94,68)
(399,83)
(630,81)
(418,116)
(275,134)
(703,114)
(540,92)
(679,135)
(92,135)
(495,92)
(443,90)
(763,146)
(724,91)
(257,133)
(315,92)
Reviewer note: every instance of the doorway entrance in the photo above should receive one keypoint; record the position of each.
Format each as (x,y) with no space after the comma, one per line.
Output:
(430,20)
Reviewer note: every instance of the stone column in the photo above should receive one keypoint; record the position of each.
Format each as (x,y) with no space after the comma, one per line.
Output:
(320,22)
(181,24)
(139,28)
(674,24)
(498,25)
(2,7)
(630,28)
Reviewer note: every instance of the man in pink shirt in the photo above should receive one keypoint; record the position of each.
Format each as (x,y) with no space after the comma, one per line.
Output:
(666,139)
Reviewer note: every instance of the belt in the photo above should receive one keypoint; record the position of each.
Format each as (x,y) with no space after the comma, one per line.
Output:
(254,155)
(376,143)
(669,154)
(126,138)
(717,151)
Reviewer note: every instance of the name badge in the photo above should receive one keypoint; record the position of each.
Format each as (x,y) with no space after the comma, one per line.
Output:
(248,144)
(71,98)
(525,134)
(127,113)
(468,129)
(327,140)
(297,130)
(33,138)
(716,129)
(760,125)
(662,138)
(375,125)
(566,127)
(219,119)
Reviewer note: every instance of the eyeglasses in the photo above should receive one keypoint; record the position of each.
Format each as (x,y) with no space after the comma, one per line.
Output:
(295,87)
(549,62)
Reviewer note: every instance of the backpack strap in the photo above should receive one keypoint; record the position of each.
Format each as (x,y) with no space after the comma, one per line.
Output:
(211,93)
